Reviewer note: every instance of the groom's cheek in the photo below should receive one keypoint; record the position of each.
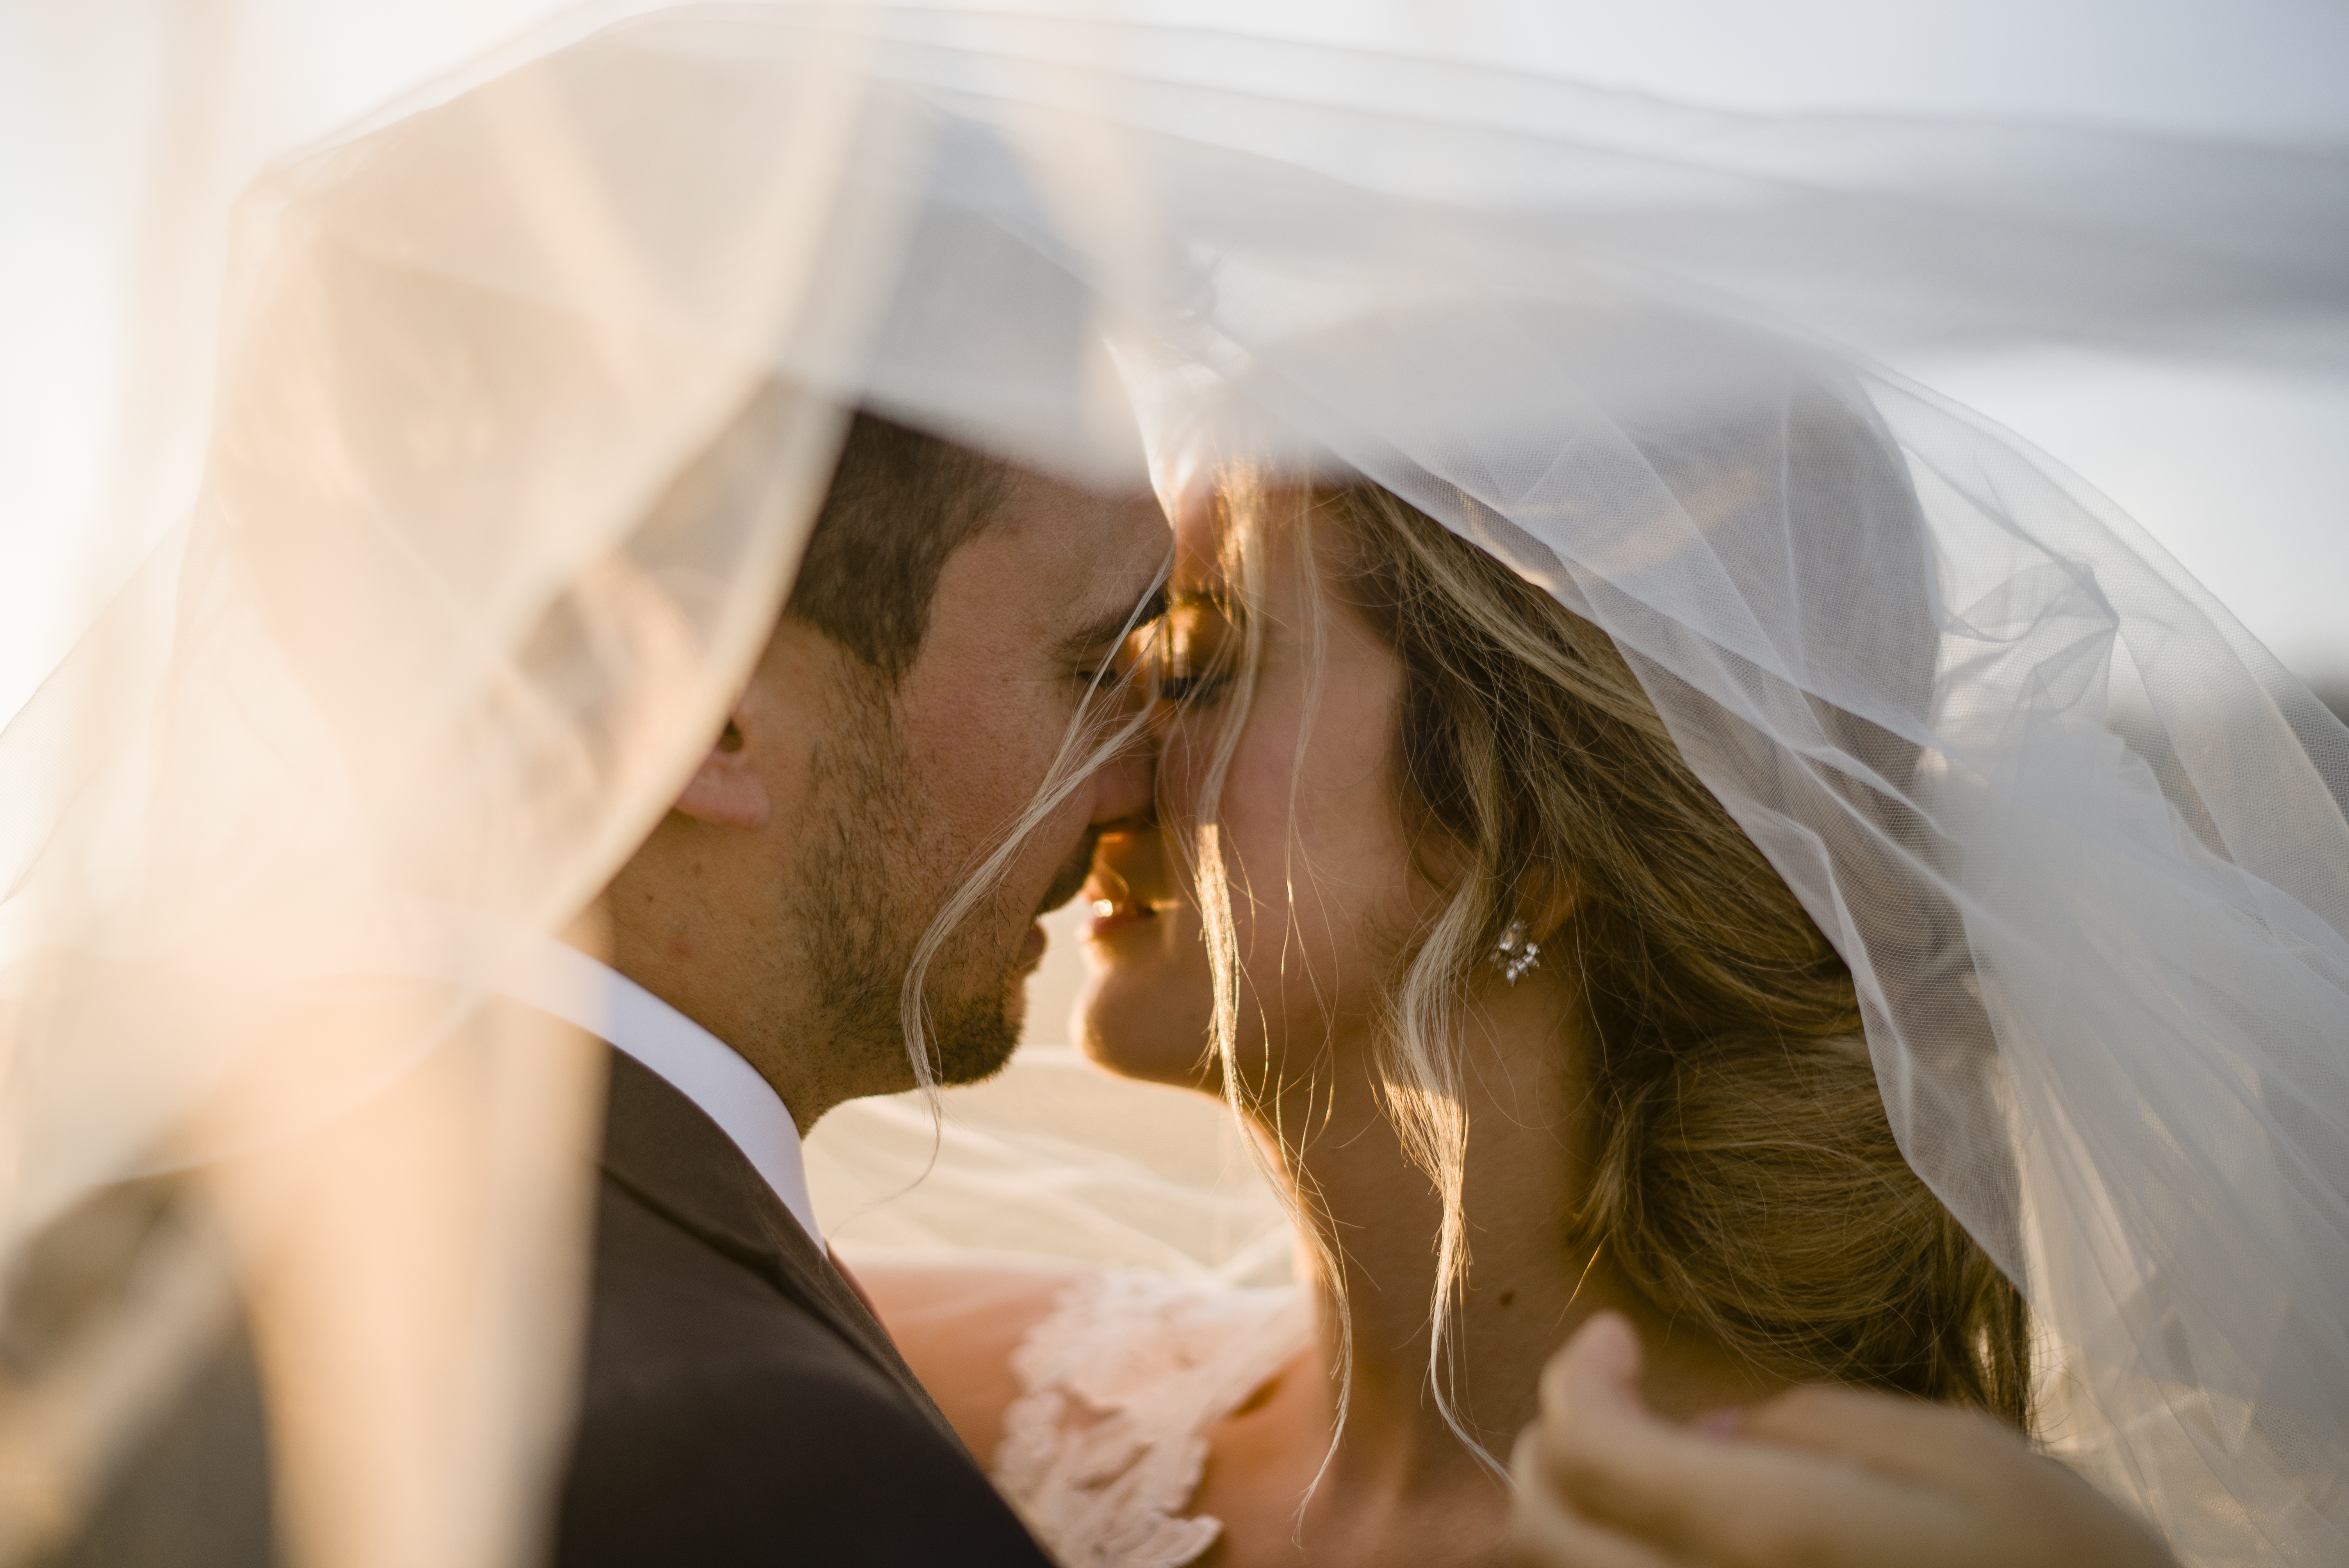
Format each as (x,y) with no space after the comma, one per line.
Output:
(979,751)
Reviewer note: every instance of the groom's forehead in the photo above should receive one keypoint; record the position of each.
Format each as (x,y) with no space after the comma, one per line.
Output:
(1088,564)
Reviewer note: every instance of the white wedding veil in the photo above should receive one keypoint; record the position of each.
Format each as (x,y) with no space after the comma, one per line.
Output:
(527,390)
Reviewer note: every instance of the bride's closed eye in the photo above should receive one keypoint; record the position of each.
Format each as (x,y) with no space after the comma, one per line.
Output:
(1194,653)
(1190,689)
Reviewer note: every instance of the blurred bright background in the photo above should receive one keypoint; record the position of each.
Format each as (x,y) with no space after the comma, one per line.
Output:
(2241,475)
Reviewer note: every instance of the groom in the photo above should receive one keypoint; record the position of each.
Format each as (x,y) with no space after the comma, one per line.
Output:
(741,1403)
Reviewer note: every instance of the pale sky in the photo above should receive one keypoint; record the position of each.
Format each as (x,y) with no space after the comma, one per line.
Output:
(2241,477)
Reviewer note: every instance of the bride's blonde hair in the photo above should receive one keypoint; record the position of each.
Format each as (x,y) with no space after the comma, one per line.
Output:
(1746,1177)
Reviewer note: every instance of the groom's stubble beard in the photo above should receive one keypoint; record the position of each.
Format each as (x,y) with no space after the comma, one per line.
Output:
(865,891)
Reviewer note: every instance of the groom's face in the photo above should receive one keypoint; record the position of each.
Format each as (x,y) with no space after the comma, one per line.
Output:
(925,774)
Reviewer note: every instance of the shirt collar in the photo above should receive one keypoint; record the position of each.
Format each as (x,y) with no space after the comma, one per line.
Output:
(554,977)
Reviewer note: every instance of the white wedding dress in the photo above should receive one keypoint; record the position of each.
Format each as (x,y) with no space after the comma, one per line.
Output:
(1103,1450)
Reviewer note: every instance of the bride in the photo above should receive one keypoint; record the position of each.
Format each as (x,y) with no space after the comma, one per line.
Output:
(1528,1028)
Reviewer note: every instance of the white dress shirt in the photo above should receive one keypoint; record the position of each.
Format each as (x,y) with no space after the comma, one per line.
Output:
(556,978)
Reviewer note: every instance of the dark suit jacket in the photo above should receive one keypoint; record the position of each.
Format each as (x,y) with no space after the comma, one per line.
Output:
(741,1405)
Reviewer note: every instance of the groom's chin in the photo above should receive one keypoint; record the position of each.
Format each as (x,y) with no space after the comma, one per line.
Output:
(976,1045)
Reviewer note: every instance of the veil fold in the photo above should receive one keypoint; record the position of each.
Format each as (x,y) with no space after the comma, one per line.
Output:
(527,395)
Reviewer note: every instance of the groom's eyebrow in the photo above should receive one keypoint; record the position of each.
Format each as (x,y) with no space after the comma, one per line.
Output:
(1111,628)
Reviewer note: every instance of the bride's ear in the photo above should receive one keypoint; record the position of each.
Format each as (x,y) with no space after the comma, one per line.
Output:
(725,791)
(1550,898)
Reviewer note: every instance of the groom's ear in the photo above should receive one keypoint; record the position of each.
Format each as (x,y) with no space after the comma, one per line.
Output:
(724,792)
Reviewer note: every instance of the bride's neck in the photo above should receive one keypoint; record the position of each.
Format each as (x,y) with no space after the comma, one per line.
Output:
(1525,1290)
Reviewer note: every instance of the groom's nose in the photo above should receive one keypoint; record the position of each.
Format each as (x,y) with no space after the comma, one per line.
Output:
(1122,788)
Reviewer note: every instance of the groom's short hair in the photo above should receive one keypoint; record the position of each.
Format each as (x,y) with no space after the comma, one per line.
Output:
(901,502)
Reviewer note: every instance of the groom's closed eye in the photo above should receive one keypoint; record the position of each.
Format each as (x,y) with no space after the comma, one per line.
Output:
(1092,652)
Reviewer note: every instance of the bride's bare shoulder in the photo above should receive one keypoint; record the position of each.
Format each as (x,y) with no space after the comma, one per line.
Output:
(958,1324)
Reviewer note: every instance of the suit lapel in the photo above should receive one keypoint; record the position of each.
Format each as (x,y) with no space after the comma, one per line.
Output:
(659,1145)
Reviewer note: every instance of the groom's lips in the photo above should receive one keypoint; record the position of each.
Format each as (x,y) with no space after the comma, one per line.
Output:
(1031,948)
(1071,879)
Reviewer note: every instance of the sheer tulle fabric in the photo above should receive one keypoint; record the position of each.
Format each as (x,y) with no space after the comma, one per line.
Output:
(526,399)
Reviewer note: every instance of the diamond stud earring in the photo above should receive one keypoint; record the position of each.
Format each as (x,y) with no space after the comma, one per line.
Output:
(1513,954)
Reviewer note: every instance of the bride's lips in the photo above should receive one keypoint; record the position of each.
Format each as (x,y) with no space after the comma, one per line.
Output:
(1112,916)
(1118,905)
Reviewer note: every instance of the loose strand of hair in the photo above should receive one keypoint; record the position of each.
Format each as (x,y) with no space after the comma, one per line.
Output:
(1242,550)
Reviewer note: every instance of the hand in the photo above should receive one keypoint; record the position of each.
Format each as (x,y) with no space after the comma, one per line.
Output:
(1824,1477)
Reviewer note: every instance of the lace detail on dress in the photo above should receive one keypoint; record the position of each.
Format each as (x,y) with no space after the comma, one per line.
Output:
(1104,1446)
